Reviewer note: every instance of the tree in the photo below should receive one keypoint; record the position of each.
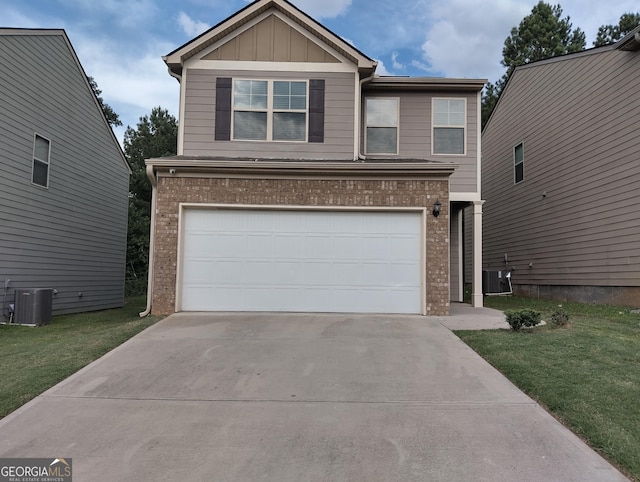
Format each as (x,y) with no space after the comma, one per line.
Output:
(490,96)
(608,34)
(541,34)
(112,118)
(155,135)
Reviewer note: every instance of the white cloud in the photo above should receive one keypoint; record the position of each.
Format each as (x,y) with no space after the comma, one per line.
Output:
(191,27)
(323,8)
(471,45)
(382,70)
(420,66)
(131,83)
(397,65)
(461,45)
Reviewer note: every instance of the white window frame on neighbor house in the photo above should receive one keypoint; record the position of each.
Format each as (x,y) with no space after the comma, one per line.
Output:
(39,160)
(382,122)
(518,162)
(442,118)
(271,109)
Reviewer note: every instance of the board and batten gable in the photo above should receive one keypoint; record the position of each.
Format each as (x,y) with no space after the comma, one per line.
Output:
(70,236)
(573,221)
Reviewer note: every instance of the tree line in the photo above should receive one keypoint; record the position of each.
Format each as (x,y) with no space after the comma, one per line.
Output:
(542,34)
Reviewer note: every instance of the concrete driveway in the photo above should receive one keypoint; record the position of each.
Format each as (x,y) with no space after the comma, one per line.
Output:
(290,397)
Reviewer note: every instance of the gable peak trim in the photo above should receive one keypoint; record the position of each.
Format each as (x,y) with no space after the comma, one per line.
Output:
(175,60)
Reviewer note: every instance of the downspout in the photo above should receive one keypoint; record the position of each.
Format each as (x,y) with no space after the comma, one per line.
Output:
(152,228)
(358,129)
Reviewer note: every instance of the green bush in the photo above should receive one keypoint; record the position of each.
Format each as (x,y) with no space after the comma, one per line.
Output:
(522,318)
(560,317)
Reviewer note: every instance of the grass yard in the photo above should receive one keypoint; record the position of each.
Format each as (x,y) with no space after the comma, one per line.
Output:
(35,359)
(587,374)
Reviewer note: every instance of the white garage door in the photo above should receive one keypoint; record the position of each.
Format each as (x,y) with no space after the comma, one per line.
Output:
(313,261)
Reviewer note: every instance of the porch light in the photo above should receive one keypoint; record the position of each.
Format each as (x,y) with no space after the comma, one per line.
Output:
(436,208)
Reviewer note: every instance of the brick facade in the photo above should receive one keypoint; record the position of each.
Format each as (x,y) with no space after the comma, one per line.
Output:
(174,189)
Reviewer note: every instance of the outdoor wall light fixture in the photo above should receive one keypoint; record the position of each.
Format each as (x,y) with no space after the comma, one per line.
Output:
(436,208)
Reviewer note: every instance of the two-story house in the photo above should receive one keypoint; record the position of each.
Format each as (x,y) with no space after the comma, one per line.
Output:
(64,180)
(304,182)
(561,174)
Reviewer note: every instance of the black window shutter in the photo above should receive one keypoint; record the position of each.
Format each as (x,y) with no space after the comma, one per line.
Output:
(316,110)
(223,109)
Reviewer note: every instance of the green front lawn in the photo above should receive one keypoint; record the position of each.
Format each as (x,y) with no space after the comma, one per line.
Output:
(586,374)
(35,359)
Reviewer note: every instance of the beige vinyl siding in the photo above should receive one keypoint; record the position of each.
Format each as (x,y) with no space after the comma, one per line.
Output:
(72,236)
(199,118)
(467,248)
(271,40)
(415,135)
(576,216)
(454,261)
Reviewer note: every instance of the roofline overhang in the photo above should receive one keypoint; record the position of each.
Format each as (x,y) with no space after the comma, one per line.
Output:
(62,33)
(630,42)
(282,168)
(425,83)
(175,60)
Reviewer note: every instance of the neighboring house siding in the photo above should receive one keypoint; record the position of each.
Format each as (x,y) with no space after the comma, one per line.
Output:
(415,134)
(199,118)
(573,220)
(72,236)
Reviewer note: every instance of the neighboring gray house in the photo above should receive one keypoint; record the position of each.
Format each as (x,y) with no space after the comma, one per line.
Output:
(561,176)
(304,182)
(63,178)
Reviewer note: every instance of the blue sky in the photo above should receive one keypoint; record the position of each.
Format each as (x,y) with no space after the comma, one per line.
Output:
(120,42)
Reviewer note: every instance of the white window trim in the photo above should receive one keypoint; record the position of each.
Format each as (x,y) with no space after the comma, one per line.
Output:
(270,111)
(434,126)
(47,162)
(366,126)
(515,164)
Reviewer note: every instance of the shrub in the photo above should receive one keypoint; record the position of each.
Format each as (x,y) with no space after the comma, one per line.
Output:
(560,317)
(522,318)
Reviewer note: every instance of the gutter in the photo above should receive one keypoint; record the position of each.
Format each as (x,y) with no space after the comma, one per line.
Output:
(152,228)
(358,128)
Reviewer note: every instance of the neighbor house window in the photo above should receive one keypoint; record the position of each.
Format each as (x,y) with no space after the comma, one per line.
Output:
(269,110)
(518,163)
(41,154)
(382,126)
(449,126)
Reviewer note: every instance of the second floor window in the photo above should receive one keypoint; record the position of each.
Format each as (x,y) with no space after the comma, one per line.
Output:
(269,110)
(382,126)
(448,126)
(40,170)
(518,163)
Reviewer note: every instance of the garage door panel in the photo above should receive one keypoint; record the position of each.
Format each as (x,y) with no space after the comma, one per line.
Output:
(261,260)
(200,244)
(318,246)
(346,247)
(403,275)
(287,245)
(261,245)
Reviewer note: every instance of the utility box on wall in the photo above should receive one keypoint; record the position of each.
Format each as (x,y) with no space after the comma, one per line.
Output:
(33,306)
